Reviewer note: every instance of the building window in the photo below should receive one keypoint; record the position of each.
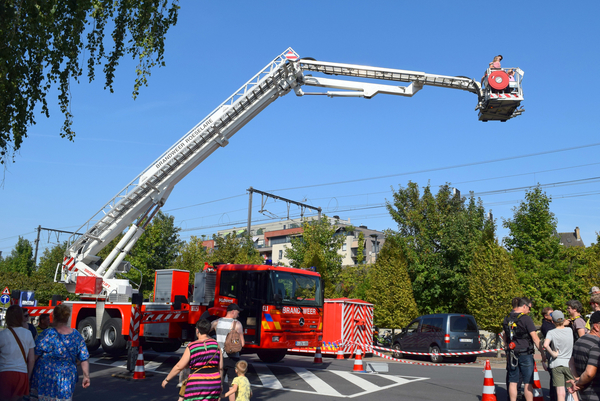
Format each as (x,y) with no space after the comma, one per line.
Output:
(280,254)
(344,247)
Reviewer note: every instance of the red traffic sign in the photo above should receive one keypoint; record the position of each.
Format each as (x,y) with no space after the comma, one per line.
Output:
(6,291)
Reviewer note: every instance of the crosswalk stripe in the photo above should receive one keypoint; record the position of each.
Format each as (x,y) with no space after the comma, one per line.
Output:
(357,380)
(267,378)
(315,382)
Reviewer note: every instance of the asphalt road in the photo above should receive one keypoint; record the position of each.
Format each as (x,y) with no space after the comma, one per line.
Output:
(296,378)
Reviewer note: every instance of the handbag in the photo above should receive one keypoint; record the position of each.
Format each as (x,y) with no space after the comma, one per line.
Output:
(184,384)
(232,344)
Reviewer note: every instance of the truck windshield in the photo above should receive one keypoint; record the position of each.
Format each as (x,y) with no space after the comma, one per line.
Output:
(296,289)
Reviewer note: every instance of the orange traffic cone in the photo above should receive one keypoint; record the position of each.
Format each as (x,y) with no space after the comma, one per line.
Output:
(358,363)
(318,356)
(537,385)
(340,354)
(489,389)
(139,372)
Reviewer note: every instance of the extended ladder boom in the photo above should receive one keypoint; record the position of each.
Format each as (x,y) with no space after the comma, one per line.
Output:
(145,194)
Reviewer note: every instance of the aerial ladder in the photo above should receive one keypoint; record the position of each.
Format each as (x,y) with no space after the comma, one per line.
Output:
(135,205)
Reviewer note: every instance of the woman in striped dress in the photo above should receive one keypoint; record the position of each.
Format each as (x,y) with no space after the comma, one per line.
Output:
(205,361)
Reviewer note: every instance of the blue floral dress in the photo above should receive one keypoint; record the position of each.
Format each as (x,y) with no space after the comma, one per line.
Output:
(55,373)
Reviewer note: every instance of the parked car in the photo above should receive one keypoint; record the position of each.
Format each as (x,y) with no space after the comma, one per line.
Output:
(439,333)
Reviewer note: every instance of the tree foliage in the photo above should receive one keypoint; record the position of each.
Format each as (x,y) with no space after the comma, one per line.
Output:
(492,286)
(44,43)
(318,247)
(50,258)
(20,259)
(192,256)
(437,235)
(533,226)
(235,249)
(156,249)
(391,291)
(354,281)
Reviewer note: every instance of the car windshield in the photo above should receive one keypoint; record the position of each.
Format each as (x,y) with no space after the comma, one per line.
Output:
(296,289)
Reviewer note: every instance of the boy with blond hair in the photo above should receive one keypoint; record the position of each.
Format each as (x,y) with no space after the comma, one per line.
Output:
(240,386)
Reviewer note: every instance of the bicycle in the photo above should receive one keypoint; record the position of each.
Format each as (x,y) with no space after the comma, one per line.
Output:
(492,341)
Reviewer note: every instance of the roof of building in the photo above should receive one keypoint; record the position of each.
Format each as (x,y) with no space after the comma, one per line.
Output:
(571,239)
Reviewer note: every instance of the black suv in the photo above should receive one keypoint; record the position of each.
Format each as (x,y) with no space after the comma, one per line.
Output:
(442,332)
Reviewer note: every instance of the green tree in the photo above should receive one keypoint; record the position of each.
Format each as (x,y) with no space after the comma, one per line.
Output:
(318,247)
(391,291)
(354,282)
(234,249)
(192,256)
(46,42)
(533,226)
(360,251)
(546,271)
(50,258)
(156,249)
(492,286)
(437,235)
(20,259)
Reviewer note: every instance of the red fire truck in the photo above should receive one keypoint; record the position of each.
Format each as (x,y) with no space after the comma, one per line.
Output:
(283,307)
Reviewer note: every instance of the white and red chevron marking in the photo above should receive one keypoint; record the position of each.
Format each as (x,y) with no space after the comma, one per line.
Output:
(165,317)
(503,96)
(69,262)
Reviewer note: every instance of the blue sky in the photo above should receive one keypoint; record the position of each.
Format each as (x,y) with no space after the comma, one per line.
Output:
(303,142)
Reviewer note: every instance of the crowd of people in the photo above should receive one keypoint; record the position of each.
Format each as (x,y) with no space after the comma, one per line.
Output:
(569,345)
(41,361)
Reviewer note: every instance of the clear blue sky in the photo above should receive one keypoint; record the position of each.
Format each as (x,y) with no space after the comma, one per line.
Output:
(307,141)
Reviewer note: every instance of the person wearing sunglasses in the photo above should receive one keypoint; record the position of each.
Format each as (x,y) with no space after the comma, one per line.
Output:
(27,325)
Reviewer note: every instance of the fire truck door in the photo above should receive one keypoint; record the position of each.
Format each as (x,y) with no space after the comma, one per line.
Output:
(251,299)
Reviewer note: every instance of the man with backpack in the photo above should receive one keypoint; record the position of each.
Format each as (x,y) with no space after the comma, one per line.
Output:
(222,327)
(520,336)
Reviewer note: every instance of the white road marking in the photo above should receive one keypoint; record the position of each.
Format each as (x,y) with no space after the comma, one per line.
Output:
(267,377)
(355,379)
(315,382)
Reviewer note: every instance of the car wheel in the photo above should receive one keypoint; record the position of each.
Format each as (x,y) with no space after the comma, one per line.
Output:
(396,353)
(113,342)
(435,354)
(87,328)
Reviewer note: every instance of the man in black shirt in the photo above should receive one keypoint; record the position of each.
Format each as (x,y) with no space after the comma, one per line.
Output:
(586,358)
(548,325)
(520,336)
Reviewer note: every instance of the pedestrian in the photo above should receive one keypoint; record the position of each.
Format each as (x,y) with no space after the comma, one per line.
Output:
(240,386)
(27,324)
(205,361)
(595,305)
(595,290)
(559,344)
(58,350)
(16,356)
(520,336)
(586,357)
(43,323)
(223,326)
(575,308)
(548,325)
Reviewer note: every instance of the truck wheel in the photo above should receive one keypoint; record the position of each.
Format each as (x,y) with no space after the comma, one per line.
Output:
(271,356)
(113,342)
(170,346)
(87,328)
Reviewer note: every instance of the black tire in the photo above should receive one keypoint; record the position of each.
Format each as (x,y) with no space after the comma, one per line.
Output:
(170,346)
(113,342)
(396,353)
(470,358)
(435,357)
(271,356)
(87,328)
